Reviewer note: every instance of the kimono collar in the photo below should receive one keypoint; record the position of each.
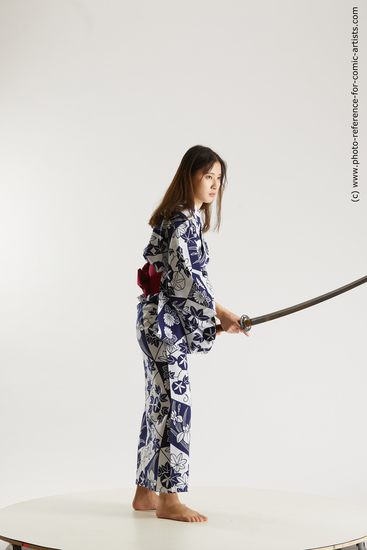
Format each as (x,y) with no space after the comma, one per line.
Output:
(197,215)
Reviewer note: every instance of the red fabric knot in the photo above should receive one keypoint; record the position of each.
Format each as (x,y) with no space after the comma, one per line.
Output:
(149,280)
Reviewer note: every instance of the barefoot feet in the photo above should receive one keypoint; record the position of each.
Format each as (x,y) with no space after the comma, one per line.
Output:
(169,507)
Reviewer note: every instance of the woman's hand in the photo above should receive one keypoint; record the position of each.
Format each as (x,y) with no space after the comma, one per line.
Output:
(229,321)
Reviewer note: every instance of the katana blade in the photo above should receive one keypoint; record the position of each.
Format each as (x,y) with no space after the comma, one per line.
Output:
(246,323)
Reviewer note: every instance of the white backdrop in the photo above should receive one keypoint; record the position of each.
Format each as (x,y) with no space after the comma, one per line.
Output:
(99,102)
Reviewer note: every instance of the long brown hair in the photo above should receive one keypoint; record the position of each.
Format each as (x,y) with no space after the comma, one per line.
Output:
(180,194)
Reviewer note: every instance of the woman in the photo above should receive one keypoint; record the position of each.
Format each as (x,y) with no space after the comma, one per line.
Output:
(176,316)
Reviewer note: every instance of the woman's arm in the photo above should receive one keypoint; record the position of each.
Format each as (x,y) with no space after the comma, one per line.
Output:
(229,321)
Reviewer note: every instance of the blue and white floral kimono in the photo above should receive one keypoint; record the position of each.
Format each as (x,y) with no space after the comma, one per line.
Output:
(178,320)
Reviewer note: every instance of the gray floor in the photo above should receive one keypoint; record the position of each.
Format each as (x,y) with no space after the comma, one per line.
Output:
(6,546)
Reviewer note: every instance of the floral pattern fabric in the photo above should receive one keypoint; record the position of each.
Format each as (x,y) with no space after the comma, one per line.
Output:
(178,320)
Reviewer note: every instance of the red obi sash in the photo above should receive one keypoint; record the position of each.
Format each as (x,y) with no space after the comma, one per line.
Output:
(149,280)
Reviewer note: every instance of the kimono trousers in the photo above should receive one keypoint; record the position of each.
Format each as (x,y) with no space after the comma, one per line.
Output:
(176,321)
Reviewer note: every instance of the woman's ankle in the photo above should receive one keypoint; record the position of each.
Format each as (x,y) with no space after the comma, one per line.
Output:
(168,498)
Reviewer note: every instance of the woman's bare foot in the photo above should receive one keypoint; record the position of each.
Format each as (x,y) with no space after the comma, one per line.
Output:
(145,499)
(169,507)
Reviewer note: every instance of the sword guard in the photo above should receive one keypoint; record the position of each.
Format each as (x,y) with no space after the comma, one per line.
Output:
(242,323)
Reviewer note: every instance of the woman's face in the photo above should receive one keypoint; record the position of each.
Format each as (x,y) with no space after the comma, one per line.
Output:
(206,185)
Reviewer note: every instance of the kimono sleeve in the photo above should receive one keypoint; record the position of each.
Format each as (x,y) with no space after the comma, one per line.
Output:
(189,310)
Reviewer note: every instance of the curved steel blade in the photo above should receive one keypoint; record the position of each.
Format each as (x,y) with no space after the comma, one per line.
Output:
(247,323)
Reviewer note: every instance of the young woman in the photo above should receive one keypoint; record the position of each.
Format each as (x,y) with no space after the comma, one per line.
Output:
(176,316)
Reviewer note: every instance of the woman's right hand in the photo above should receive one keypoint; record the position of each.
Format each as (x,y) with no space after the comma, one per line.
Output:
(230,322)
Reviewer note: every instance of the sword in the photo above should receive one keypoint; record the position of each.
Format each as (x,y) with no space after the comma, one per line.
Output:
(246,323)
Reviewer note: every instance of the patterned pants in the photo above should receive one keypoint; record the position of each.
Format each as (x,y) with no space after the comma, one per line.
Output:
(163,449)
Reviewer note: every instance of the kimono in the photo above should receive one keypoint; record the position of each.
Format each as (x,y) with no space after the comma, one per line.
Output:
(172,323)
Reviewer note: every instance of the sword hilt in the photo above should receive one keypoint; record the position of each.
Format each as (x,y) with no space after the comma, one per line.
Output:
(244,321)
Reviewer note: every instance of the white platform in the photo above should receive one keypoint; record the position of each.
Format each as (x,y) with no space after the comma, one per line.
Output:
(239,519)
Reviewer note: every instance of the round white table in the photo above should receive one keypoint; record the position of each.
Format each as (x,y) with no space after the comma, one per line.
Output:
(239,519)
